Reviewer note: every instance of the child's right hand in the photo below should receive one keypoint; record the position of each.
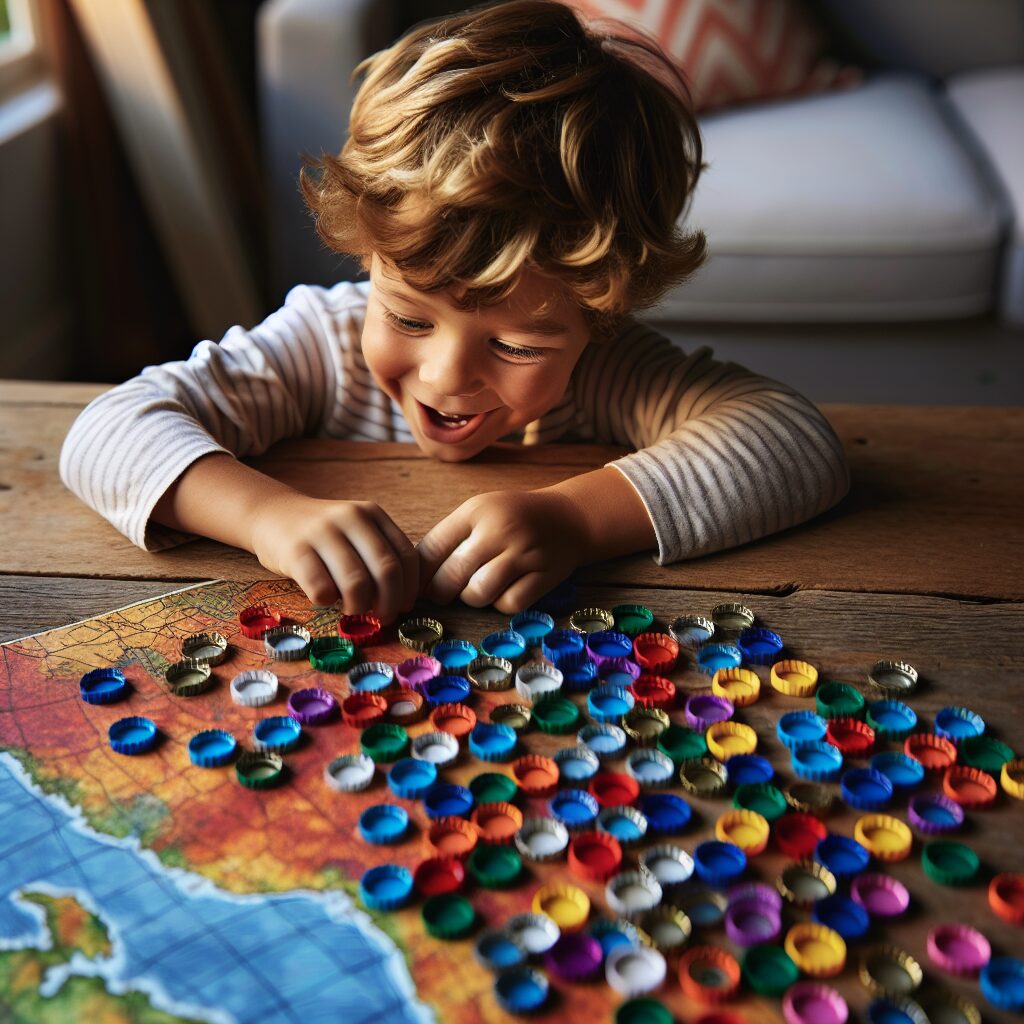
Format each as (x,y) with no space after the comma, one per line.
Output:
(350,550)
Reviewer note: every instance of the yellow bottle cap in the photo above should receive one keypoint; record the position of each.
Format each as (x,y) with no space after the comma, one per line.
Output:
(739,685)
(794,678)
(746,829)
(1011,775)
(725,739)
(818,951)
(566,905)
(888,971)
(883,836)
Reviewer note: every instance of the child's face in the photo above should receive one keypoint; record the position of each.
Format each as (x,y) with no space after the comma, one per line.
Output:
(466,379)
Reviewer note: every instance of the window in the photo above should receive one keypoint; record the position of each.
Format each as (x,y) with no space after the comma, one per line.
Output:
(19,55)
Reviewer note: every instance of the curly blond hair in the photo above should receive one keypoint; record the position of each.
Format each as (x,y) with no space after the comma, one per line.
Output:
(518,135)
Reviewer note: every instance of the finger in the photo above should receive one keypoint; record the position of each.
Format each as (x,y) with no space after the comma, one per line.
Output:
(459,567)
(527,590)
(407,555)
(315,579)
(350,574)
(440,541)
(382,563)
(492,579)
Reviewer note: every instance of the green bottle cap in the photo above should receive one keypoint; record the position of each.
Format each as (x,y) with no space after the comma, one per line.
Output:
(839,700)
(949,863)
(632,619)
(493,788)
(556,715)
(984,752)
(384,742)
(331,653)
(682,744)
(762,797)
(495,867)
(643,1011)
(448,916)
(768,970)
(259,770)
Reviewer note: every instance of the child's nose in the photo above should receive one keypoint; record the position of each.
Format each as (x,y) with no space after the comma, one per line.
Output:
(451,368)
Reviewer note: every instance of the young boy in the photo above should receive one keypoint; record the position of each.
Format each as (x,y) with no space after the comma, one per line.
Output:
(512,181)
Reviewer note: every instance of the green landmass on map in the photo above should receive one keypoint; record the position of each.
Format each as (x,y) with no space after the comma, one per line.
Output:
(72,929)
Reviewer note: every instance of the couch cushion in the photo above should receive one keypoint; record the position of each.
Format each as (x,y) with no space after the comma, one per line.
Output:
(861,205)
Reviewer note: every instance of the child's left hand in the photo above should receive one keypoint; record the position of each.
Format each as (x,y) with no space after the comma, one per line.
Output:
(505,548)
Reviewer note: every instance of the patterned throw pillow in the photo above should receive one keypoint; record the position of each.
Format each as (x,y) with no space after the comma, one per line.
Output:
(734,51)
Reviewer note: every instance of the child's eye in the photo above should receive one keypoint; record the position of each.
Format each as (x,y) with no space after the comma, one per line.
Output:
(409,325)
(521,353)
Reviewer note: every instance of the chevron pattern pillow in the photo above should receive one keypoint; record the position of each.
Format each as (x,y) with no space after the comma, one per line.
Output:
(734,51)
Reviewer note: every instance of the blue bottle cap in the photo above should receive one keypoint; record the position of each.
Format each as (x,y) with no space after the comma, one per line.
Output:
(446,690)
(609,703)
(797,727)
(624,823)
(521,989)
(133,735)
(498,951)
(103,686)
(666,813)
(277,734)
(410,777)
(446,800)
(489,741)
(576,764)
(212,748)
(506,643)
(903,772)
(532,626)
(559,601)
(843,856)
(575,808)
(898,1010)
(750,769)
(842,915)
(891,719)
(817,761)
(386,887)
(580,678)
(1002,982)
(712,657)
(759,646)
(958,724)
(454,655)
(718,864)
(866,789)
(613,934)
(609,643)
(564,646)
(383,824)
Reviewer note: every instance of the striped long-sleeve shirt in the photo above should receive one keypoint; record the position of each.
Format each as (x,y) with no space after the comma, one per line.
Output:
(721,455)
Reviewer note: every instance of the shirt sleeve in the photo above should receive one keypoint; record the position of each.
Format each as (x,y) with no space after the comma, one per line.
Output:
(724,456)
(239,396)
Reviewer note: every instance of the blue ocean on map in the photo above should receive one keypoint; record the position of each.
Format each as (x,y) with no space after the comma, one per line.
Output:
(197,951)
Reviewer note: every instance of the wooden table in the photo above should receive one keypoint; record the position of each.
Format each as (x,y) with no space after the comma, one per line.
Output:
(923,561)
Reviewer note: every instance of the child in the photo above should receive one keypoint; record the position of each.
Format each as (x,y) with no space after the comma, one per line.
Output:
(512,182)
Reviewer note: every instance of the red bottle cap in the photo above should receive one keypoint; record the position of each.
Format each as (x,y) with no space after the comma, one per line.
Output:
(360,629)
(797,834)
(969,787)
(1006,897)
(437,875)
(655,652)
(852,736)
(936,753)
(653,691)
(708,974)
(363,709)
(594,856)
(257,619)
(613,789)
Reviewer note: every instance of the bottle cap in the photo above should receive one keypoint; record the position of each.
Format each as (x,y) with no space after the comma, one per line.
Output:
(497,822)
(632,619)
(490,674)
(255,688)
(839,700)
(259,770)
(594,856)
(566,905)
(739,686)
(575,808)
(608,703)
(210,647)
(493,787)
(455,719)
(133,735)
(212,748)
(1011,776)
(287,643)
(761,797)
(843,856)
(719,863)
(417,671)
(749,922)
(516,716)
(703,906)
(893,679)
(1006,897)
(969,787)
(420,634)
(942,1007)
(542,839)
(532,626)
(933,813)
(794,678)
(984,752)
(521,989)
(612,789)
(189,678)
(895,1010)
(312,706)
(446,690)
(410,777)
(655,652)
(536,775)
(768,970)
(384,742)
(1002,983)
(103,686)
(492,741)
(453,837)
(448,916)
(746,829)
(384,824)
(670,865)
(653,691)
(591,620)
(497,950)
(797,727)
(958,948)
(576,764)
(564,647)
(891,719)
(371,677)
(359,710)
(668,927)
(495,867)
(361,629)
(865,789)
(537,680)
(682,744)
(612,934)
(455,655)
(666,813)
(725,739)
(579,678)
(691,631)
(852,736)
(634,970)
(708,974)
(386,887)
(277,734)
(704,777)
(650,768)
(506,644)
(949,863)
(732,618)
(405,706)
(759,646)
(797,834)
(627,824)
(905,773)
(808,1002)
(642,1011)
(630,893)
(818,951)
(331,654)
(714,657)
(958,724)
(537,933)
(608,643)
(437,875)
(350,773)
(805,882)
(750,770)
(257,619)
(556,715)
(880,895)
(644,725)
(843,915)
(445,799)
(817,761)
(605,740)
(888,971)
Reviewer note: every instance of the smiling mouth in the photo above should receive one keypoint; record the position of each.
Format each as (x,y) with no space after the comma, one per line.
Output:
(448,427)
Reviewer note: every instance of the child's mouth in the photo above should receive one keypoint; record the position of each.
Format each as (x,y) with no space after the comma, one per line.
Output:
(448,428)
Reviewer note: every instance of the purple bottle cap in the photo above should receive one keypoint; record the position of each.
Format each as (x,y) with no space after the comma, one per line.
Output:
(312,706)
(933,813)
(759,892)
(575,957)
(880,895)
(810,1002)
(749,922)
(704,709)
(417,671)
(958,948)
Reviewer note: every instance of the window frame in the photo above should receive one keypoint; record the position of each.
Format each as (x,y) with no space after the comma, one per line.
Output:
(21,58)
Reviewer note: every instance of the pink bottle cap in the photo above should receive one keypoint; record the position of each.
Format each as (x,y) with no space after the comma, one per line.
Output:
(958,948)
(809,1002)
(880,895)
